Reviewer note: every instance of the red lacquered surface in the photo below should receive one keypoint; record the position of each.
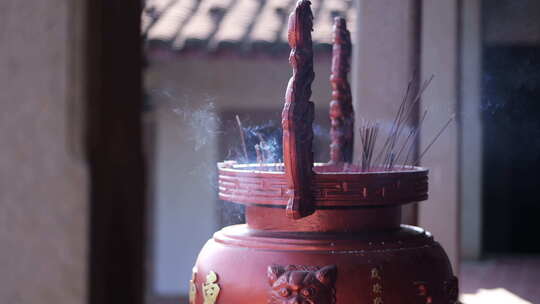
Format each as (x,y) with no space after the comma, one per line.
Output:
(353,241)
(341,108)
(331,220)
(298,113)
(320,233)
(254,184)
(357,240)
(400,266)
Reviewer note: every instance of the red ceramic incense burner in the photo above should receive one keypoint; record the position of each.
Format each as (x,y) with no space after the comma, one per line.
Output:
(321,233)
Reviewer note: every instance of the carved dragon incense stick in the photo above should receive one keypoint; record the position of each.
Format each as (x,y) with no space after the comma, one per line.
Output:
(298,113)
(341,108)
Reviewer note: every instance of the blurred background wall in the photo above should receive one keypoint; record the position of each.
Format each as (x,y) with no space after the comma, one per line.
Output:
(43,190)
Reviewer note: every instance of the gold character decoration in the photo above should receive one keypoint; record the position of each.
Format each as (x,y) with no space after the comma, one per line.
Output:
(211,288)
(378,300)
(377,288)
(193,287)
(375,274)
(376,285)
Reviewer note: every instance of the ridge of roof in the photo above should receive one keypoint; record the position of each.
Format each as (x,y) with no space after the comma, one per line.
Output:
(235,25)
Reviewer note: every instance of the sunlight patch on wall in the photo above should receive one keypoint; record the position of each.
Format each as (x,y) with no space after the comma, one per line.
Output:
(492,296)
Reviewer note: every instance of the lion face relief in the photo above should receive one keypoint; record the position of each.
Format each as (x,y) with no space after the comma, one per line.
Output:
(294,284)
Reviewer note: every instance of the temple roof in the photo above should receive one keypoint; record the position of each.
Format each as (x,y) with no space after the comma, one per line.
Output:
(242,25)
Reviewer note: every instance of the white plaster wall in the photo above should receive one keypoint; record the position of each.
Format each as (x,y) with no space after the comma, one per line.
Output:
(384,58)
(185,198)
(440,49)
(471,131)
(43,197)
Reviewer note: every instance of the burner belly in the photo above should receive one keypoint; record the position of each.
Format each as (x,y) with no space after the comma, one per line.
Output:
(243,265)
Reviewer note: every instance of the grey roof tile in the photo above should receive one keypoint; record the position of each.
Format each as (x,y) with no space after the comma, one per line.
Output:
(171,18)
(204,23)
(244,24)
(270,24)
(324,21)
(237,22)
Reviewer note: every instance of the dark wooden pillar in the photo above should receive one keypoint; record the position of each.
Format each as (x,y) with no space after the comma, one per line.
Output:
(114,149)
